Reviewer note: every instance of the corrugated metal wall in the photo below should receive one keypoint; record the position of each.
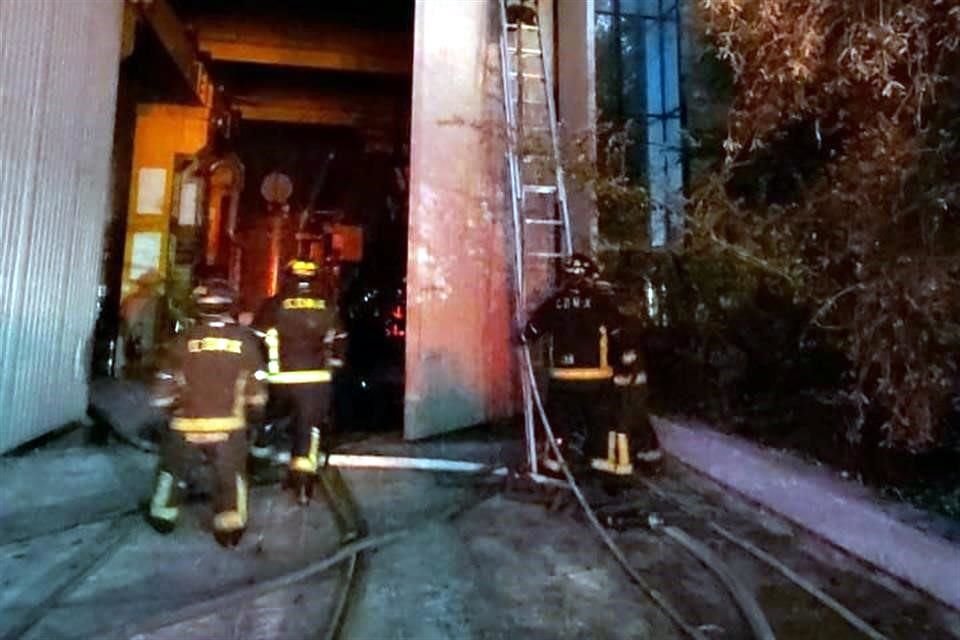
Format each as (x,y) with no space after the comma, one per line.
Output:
(460,365)
(58,75)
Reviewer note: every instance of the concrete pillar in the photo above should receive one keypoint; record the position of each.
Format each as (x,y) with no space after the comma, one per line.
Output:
(577,104)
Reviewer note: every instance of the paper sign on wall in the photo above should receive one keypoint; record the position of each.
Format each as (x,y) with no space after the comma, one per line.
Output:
(151,188)
(187,216)
(145,253)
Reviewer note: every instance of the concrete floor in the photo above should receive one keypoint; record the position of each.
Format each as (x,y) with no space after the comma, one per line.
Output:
(500,569)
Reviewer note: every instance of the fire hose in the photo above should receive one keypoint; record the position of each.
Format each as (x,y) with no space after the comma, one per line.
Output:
(745,601)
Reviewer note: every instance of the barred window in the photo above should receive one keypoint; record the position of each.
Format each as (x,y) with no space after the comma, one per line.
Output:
(638,80)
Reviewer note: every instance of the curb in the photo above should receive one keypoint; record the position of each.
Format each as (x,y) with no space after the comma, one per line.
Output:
(838,511)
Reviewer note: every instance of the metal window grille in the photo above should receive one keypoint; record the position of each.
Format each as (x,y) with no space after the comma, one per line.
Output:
(640,57)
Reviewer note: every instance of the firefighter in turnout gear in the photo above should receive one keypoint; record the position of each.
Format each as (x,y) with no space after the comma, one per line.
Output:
(522,11)
(212,381)
(301,327)
(631,443)
(581,320)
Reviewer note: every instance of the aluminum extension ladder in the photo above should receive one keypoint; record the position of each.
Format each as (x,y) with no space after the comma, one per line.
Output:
(541,219)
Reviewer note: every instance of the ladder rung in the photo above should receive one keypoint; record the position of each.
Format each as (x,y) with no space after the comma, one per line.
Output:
(526,51)
(551,254)
(540,188)
(533,157)
(547,221)
(536,76)
(512,26)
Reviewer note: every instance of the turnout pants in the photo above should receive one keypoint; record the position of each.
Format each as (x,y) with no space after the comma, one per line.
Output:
(634,420)
(308,407)
(180,453)
(578,412)
(630,437)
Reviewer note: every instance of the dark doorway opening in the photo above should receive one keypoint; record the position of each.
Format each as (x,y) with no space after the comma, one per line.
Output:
(317,92)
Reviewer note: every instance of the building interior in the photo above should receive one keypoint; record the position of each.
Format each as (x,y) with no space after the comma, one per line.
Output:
(285,127)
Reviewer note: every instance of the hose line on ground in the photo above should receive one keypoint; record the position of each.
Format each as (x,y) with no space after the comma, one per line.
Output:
(612,546)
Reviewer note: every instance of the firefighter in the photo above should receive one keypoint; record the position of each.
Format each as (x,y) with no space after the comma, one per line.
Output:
(581,320)
(522,11)
(212,381)
(631,442)
(305,342)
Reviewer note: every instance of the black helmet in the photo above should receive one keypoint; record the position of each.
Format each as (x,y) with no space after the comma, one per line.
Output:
(579,267)
(214,296)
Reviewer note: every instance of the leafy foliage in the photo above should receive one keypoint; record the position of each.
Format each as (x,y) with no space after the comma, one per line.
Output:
(840,183)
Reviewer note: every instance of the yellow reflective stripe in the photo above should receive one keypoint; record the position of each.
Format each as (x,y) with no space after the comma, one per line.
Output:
(618,456)
(304,303)
(159,508)
(170,514)
(228,521)
(234,519)
(309,462)
(273,350)
(233,423)
(205,438)
(299,377)
(589,373)
(604,348)
(314,446)
(623,449)
(302,463)
(211,343)
(242,498)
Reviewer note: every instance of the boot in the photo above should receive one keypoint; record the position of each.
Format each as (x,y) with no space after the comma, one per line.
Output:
(228,539)
(649,462)
(617,462)
(302,484)
(163,527)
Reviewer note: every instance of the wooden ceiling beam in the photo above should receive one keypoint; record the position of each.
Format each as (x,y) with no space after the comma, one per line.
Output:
(327,47)
(172,34)
(330,109)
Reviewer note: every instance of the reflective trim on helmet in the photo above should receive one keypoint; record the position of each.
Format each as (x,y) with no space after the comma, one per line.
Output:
(300,377)
(303,268)
(214,300)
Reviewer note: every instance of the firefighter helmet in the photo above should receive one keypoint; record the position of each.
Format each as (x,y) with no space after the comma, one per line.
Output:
(214,296)
(302,269)
(579,267)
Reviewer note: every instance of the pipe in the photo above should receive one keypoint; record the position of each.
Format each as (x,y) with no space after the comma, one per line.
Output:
(371,461)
